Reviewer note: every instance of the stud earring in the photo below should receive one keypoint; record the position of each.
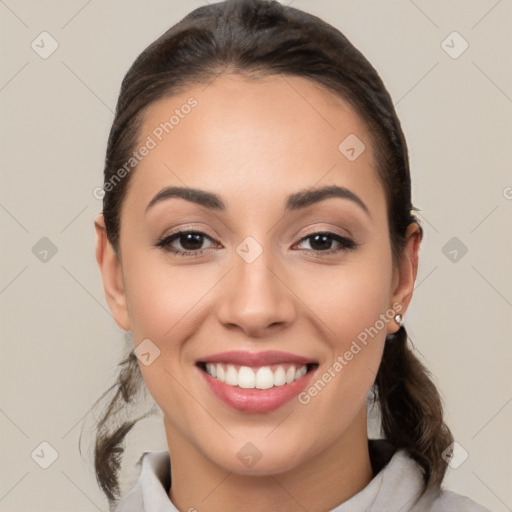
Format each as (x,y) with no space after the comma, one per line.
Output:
(399,319)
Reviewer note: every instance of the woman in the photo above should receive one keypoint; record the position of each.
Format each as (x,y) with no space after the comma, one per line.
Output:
(258,242)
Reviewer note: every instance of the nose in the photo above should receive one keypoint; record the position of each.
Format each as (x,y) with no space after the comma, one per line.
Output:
(256,298)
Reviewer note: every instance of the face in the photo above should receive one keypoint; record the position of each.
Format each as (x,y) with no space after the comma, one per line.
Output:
(275,276)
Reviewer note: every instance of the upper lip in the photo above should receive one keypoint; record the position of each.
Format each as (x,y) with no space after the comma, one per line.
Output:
(244,358)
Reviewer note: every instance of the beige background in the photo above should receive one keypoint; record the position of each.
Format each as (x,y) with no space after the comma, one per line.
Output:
(60,345)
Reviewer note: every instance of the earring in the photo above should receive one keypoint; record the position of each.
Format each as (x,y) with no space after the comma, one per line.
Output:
(399,319)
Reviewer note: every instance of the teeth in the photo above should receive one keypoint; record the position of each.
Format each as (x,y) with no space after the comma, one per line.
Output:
(231,376)
(301,372)
(247,378)
(279,377)
(264,378)
(211,369)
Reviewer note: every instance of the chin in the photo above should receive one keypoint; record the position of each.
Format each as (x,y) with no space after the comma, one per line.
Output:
(247,458)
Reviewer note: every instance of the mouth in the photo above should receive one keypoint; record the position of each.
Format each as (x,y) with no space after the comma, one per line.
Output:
(256,383)
(256,377)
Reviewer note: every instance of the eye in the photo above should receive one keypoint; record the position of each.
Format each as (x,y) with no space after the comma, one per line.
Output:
(322,242)
(191,242)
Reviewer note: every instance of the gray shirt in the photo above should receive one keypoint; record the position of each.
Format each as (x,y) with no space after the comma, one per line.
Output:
(395,487)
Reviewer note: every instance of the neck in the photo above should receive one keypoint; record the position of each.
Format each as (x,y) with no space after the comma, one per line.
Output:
(320,484)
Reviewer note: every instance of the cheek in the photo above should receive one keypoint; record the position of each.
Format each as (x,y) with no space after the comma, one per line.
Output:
(353,304)
(161,298)
(351,298)
(166,305)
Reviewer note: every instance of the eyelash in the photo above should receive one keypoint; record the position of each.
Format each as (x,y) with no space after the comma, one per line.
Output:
(164,243)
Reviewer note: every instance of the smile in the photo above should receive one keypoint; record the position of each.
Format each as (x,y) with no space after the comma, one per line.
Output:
(263,377)
(256,382)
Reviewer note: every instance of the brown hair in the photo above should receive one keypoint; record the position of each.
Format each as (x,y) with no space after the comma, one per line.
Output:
(254,38)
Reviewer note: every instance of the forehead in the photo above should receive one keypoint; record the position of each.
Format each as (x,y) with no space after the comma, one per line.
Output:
(253,137)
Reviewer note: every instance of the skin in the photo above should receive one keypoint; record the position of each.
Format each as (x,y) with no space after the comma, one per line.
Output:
(253,143)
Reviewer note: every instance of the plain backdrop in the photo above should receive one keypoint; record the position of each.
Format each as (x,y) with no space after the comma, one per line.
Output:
(60,346)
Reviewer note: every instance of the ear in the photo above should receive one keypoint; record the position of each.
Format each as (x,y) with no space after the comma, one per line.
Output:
(404,275)
(111,274)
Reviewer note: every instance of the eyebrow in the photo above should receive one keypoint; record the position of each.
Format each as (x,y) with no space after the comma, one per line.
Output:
(296,201)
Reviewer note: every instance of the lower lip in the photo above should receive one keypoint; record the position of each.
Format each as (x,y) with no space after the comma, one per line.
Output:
(256,400)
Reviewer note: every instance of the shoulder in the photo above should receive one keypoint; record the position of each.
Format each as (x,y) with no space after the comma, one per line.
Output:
(150,492)
(448,501)
(400,484)
(130,502)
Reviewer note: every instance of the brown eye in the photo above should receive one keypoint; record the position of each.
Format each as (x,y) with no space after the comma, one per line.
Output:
(323,242)
(190,241)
